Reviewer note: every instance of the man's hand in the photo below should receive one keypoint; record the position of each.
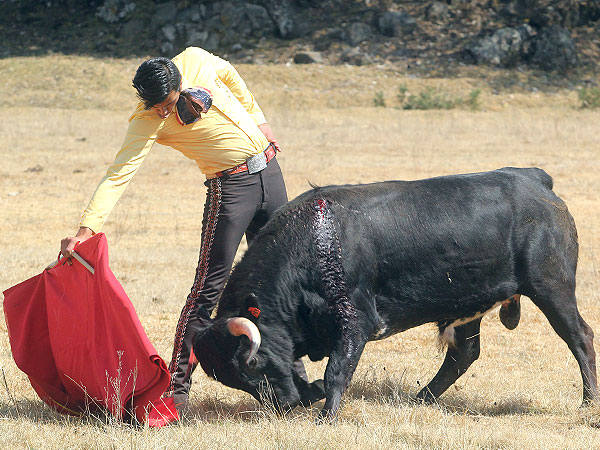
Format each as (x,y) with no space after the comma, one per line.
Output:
(266,130)
(68,244)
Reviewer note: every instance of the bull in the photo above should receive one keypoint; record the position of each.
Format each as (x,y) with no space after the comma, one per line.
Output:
(342,265)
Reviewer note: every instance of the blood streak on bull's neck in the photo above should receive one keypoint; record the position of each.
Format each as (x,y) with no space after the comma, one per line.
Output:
(329,253)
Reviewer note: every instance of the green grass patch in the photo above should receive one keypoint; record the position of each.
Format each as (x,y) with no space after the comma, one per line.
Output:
(379,99)
(431,98)
(589,98)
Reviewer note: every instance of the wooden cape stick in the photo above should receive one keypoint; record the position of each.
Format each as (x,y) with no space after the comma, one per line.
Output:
(75,255)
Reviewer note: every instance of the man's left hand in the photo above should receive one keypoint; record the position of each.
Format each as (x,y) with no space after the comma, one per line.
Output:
(266,130)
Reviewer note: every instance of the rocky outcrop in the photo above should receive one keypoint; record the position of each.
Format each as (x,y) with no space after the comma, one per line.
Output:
(546,34)
(226,25)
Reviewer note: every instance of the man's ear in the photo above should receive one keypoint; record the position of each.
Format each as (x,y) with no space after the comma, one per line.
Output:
(252,308)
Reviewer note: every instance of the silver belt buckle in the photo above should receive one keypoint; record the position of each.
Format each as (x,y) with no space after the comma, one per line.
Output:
(256,163)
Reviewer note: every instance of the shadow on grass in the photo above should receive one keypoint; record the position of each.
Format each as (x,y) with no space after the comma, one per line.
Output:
(208,409)
(396,392)
(36,411)
(216,409)
(370,387)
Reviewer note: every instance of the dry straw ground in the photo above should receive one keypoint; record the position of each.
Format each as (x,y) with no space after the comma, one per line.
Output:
(62,119)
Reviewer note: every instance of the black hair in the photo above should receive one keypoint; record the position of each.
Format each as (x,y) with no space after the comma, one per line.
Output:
(155,79)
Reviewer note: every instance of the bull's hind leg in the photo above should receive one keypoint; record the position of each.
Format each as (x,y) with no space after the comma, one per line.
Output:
(562,313)
(510,312)
(460,355)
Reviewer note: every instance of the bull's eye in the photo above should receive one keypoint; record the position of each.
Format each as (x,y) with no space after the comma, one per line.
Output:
(253,362)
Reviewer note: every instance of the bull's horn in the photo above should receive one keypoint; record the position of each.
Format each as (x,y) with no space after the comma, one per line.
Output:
(240,325)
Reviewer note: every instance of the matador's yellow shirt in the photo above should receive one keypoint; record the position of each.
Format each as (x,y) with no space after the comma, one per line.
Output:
(223,138)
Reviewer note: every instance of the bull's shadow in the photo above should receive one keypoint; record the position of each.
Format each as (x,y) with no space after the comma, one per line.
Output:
(216,408)
(371,388)
(384,393)
(397,392)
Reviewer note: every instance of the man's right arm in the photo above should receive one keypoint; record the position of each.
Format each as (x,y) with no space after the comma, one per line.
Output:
(139,139)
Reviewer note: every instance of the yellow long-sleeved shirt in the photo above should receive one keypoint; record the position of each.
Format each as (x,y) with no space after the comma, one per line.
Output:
(223,138)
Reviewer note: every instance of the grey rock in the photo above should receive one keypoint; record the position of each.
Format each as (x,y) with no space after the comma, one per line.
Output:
(167,49)
(181,28)
(258,17)
(321,44)
(229,37)
(283,14)
(164,14)
(506,47)
(211,9)
(196,38)
(355,57)
(193,14)
(170,32)
(484,51)
(236,20)
(534,11)
(212,42)
(115,10)
(214,23)
(308,57)
(437,11)
(198,13)
(133,28)
(510,40)
(358,32)
(396,23)
(403,53)
(554,49)
(336,33)
(245,18)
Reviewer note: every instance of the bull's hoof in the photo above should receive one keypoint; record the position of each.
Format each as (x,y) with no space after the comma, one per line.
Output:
(317,389)
(426,396)
(510,312)
(315,393)
(326,417)
(590,402)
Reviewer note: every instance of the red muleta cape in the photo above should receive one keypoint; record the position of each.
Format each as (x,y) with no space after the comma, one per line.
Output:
(80,342)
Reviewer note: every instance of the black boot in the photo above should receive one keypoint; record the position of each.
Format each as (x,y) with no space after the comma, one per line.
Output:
(182,379)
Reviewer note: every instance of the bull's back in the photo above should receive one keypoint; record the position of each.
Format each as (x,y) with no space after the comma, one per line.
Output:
(445,247)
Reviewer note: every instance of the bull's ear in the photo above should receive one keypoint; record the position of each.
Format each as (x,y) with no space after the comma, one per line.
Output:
(252,309)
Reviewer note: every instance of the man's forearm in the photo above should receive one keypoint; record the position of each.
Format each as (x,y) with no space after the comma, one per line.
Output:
(84,233)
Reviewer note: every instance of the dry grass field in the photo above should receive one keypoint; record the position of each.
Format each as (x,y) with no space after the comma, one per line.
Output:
(61,122)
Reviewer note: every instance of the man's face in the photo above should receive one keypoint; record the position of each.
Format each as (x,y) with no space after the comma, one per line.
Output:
(164,108)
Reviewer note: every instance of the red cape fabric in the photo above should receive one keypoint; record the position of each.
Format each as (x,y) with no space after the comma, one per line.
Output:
(80,342)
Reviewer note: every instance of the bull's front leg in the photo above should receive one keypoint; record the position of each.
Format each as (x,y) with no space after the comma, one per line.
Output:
(349,334)
(338,374)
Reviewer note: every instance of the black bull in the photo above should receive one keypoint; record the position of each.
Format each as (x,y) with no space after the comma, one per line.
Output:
(342,265)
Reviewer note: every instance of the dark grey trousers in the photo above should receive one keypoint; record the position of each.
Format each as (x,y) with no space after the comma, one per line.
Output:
(235,205)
